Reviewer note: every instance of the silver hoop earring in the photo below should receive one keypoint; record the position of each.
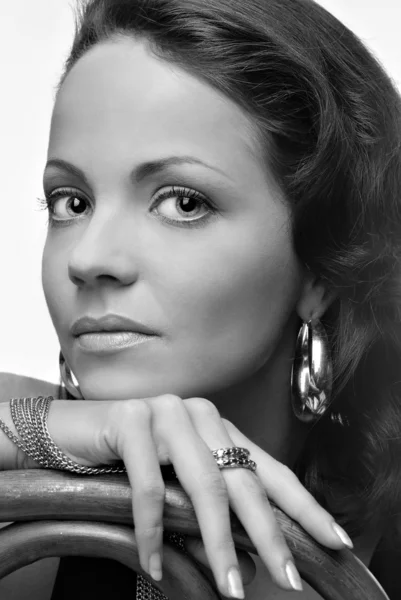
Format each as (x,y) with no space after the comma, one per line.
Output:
(312,373)
(68,378)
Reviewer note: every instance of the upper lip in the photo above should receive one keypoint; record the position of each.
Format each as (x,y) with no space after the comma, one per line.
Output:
(108,322)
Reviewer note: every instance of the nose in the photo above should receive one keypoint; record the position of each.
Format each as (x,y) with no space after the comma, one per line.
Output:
(104,252)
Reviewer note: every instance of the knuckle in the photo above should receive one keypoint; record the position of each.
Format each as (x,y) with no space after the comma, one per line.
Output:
(278,540)
(170,402)
(155,532)
(122,415)
(225,545)
(135,409)
(203,407)
(230,427)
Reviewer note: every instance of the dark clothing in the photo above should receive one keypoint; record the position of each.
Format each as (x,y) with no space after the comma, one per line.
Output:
(80,578)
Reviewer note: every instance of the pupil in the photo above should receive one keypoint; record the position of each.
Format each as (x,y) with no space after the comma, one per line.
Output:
(188,204)
(75,205)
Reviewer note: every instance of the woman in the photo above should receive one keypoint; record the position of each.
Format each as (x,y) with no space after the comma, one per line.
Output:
(221,176)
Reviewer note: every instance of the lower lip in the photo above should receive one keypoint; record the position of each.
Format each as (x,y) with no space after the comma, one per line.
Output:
(107,342)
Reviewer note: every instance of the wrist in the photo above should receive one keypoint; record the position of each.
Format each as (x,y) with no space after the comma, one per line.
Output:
(11,457)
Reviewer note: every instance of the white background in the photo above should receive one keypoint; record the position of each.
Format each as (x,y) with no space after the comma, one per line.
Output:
(35,36)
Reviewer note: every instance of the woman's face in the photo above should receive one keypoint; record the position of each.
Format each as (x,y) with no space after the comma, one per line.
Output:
(166,215)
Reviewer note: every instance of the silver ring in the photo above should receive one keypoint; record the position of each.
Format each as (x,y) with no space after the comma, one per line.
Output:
(233,457)
(235,462)
(230,451)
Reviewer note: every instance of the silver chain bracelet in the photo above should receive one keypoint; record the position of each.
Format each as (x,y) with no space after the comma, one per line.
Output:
(29,416)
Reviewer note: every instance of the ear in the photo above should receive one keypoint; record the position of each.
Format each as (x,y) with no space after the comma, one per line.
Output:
(315,297)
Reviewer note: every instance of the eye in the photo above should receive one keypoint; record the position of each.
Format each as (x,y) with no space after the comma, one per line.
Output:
(182,205)
(64,204)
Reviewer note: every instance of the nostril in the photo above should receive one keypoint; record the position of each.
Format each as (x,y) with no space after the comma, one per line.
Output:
(110,264)
(78,274)
(91,277)
(76,280)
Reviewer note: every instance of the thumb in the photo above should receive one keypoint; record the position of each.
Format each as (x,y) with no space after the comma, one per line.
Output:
(196,549)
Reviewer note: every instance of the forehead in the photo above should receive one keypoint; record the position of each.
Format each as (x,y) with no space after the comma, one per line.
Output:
(120,97)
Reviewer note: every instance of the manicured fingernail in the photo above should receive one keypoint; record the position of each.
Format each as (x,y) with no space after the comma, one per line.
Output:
(343,535)
(293,576)
(155,566)
(235,588)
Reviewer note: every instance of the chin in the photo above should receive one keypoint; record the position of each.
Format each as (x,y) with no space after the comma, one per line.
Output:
(107,387)
(114,390)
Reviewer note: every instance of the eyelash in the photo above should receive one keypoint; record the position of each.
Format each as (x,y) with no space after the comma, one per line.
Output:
(47,203)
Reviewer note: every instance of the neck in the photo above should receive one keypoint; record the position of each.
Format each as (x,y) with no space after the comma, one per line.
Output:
(261,406)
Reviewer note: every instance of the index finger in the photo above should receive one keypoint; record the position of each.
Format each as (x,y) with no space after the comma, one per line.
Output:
(200,476)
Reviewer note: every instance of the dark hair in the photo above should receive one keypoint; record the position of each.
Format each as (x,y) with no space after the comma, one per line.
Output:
(329,121)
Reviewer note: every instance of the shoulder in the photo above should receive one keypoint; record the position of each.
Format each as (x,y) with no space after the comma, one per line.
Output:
(18,386)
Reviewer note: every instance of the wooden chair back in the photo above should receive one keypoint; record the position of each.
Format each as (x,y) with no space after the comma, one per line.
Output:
(56,513)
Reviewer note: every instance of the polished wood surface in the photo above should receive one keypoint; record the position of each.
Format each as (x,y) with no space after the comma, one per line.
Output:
(92,516)
(24,543)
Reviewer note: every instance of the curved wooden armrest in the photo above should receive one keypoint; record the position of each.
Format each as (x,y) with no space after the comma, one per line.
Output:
(96,511)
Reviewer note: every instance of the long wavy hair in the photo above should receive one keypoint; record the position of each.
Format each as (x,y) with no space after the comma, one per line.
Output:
(329,120)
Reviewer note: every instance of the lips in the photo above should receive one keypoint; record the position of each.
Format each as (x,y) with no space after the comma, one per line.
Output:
(110,322)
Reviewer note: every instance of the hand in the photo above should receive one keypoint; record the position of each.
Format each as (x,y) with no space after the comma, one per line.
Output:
(166,429)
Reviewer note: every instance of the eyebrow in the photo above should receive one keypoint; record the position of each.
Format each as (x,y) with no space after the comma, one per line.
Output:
(140,172)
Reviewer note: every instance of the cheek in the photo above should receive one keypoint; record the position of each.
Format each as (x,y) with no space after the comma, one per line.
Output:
(54,283)
(231,303)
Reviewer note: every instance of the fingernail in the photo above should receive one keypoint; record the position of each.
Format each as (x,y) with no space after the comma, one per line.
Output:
(343,535)
(293,576)
(155,566)
(235,588)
